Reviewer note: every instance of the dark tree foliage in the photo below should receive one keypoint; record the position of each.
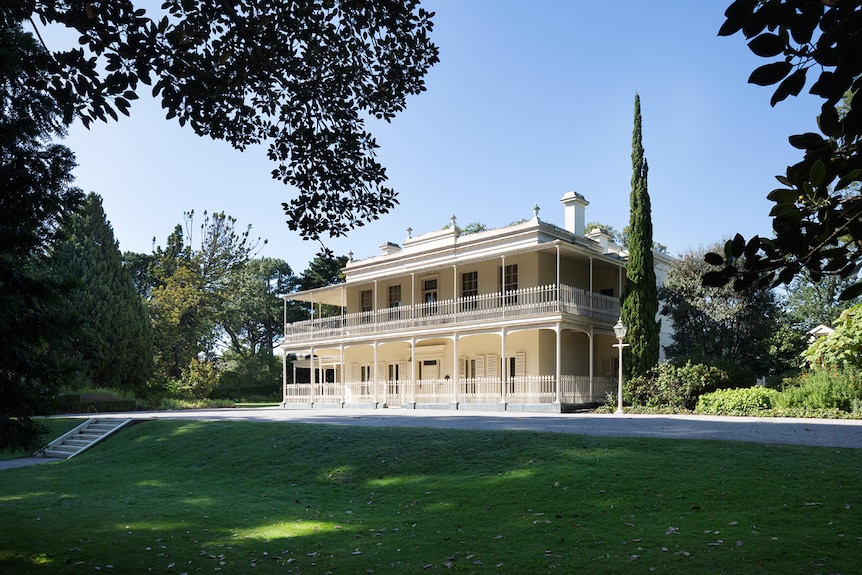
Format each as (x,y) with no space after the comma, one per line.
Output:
(35,194)
(253,315)
(639,300)
(323,271)
(817,217)
(301,77)
(718,325)
(808,304)
(114,343)
(140,268)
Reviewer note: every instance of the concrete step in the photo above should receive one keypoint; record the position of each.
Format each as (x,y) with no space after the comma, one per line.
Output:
(106,423)
(83,437)
(76,442)
(54,454)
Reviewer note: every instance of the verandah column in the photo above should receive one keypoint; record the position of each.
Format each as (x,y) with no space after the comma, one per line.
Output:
(374,376)
(313,375)
(413,363)
(505,368)
(284,377)
(455,369)
(559,362)
(592,360)
(342,376)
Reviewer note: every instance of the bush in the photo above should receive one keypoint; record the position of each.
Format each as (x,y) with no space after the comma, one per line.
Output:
(199,380)
(250,376)
(95,401)
(823,389)
(740,401)
(676,386)
(737,375)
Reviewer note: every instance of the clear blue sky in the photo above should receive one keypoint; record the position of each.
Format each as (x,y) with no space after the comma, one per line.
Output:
(529,101)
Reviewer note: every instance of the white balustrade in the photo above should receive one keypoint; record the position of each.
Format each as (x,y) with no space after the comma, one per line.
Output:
(534,301)
(574,389)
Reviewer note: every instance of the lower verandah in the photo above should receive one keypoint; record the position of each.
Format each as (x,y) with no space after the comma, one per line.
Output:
(512,370)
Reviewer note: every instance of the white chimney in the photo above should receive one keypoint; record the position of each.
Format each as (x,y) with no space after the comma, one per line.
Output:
(389,248)
(575,206)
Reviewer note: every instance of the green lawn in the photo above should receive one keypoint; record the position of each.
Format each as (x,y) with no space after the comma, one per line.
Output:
(240,497)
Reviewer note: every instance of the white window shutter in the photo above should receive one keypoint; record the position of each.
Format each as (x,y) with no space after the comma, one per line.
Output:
(520,365)
(493,364)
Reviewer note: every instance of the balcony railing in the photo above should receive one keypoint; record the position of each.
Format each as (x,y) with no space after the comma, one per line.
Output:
(542,300)
(574,389)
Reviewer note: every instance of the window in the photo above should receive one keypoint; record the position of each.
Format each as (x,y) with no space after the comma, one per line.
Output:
(470,369)
(394,302)
(394,296)
(469,290)
(429,295)
(366,297)
(509,283)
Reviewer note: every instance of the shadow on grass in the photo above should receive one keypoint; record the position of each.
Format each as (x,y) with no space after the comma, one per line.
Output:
(231,497)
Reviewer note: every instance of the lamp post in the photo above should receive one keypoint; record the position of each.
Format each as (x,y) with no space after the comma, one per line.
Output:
(620,331)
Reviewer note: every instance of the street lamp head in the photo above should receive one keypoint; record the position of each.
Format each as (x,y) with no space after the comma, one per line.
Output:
(620,329)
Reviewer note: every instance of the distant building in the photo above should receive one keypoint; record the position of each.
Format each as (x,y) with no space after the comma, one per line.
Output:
(515,318)
(819,331)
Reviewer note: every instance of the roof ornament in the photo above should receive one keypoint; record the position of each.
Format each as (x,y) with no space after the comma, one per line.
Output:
(536,212)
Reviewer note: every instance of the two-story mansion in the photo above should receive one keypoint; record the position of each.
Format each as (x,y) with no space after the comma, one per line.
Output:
(516,318)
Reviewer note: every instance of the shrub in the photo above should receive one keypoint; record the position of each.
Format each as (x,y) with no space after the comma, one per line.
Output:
(198,381)
(96,401)
(248,376)
(823,389)
(676,386)
(740,401)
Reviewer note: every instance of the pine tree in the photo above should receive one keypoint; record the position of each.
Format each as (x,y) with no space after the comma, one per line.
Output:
(115,342)
(639,300)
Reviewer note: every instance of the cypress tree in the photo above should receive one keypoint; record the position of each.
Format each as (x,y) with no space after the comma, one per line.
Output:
(115,343)
(639,300)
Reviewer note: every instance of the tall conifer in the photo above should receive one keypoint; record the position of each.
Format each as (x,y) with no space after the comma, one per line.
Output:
(115,341)
(639,300)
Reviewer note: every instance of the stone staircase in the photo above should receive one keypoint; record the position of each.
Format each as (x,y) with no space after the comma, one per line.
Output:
(83,437)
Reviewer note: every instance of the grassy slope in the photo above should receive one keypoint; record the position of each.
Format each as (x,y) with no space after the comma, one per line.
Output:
(238,497)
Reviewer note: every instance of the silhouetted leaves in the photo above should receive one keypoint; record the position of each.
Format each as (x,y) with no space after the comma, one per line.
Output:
(767,45)
(816,214)
(300,77)
(770,73)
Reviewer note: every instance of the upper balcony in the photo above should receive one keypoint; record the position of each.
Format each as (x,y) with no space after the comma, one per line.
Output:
(515,305)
